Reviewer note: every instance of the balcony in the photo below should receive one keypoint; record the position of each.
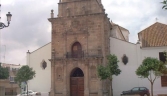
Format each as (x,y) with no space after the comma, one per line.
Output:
(83,54)
(75,54)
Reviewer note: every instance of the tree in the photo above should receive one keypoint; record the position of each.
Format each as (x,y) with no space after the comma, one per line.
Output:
(148,68)
(24,74)
(164,4)
(4,73)
(107,72)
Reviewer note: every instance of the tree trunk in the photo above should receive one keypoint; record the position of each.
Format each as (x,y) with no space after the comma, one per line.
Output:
(111,90)
(27,88)
(151,88)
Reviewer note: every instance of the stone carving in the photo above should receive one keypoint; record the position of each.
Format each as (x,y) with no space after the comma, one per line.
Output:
(125,59)
(68,11)
(93,72)
(43,64)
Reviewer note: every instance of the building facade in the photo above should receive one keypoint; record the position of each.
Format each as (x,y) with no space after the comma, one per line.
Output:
(118,46)
(9,86)
(80,37)
(39,61)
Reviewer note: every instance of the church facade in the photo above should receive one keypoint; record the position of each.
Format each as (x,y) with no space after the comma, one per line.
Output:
(82,37)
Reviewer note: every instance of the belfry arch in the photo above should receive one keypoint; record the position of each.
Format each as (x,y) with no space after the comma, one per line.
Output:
(77,82)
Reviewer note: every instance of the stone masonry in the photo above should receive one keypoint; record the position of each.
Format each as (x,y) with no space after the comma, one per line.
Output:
(85,23)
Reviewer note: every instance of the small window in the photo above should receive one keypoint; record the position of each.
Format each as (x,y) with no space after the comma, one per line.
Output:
(43,64)
(76,50)
(11,79)
(162,56)
(164,81)
(142,89)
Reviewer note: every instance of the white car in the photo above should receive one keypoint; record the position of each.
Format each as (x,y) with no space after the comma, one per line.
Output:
(30,93)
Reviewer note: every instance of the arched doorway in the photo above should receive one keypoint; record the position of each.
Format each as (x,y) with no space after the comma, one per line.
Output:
(77,82)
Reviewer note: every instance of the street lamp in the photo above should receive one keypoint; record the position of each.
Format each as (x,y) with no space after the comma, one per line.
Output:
(2,25)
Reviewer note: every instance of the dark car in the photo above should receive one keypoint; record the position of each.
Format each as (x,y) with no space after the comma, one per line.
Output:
(142,91)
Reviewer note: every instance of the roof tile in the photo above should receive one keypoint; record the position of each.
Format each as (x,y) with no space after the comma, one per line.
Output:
(154,36)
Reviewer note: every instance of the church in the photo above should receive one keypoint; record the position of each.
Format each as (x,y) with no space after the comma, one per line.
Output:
(81,38)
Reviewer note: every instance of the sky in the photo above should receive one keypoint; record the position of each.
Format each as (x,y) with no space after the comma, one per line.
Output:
(30,29)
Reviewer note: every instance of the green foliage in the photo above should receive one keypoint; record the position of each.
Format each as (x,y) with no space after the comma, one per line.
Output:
(165,54)
(103,72)
(150,65)
(164,4)
(24,74)
(112,68)
(4,73)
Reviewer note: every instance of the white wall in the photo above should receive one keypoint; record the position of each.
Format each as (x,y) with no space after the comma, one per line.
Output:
(128,79)
(154,52)
(42,80)
(125,81)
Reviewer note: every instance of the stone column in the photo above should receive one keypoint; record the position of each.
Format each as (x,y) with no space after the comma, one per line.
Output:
(52,92)
(65,79)
(100,90)
(86,91)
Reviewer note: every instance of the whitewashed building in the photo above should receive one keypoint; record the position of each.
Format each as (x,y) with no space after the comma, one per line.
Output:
(42,81)
(152,42)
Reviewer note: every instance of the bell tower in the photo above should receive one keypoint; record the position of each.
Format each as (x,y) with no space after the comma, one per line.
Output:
(80,42)
(78,7)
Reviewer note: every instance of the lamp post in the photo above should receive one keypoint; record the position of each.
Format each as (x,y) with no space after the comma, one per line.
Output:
(2,25)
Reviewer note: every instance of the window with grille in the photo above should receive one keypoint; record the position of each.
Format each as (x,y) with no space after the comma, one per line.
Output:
(11,79)
(162,57)
(76,50)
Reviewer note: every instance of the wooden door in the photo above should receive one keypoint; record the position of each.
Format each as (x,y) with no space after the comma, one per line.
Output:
(77,86)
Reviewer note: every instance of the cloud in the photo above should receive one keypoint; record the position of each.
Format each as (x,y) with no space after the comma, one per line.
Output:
(30,29)
(135,15)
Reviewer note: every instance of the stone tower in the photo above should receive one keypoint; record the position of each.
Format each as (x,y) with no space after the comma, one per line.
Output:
(80,42)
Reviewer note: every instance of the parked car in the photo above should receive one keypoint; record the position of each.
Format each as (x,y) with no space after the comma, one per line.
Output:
(30,93)
(142,91)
